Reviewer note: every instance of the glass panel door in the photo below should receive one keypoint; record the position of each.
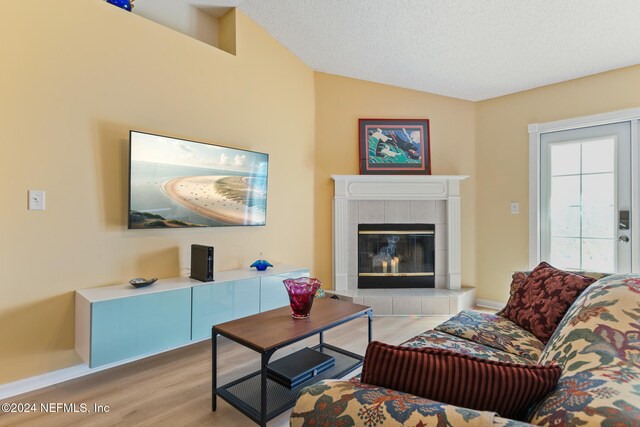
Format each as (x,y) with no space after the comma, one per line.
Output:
(585,198)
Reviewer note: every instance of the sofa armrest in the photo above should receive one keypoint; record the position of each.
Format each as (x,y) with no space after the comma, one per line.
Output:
(351,403)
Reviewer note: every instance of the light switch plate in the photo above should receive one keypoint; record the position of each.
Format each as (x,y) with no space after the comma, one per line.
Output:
(515,207)
(36,200)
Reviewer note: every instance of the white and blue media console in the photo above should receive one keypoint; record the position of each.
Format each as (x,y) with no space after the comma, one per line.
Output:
(117,323)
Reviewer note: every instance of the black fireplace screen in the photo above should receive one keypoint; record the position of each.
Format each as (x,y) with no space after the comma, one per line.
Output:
(396,255)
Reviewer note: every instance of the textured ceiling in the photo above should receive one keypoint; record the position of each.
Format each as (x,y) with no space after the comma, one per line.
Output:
(467,49)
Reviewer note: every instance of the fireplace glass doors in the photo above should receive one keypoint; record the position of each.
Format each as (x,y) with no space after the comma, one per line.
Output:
(396,256)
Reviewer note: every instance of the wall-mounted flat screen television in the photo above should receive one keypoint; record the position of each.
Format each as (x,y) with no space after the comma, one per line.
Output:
(179,183)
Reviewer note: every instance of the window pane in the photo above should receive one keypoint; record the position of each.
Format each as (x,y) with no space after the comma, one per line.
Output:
(597,255)
(565,191)
(565,253)
(598,155)
(565,159)
(598,221)
(598,190)
(565,221)
(565,206)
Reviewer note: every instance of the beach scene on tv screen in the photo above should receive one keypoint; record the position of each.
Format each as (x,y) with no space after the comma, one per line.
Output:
(178,183)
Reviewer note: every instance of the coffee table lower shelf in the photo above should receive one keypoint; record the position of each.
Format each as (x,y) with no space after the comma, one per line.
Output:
(245,395)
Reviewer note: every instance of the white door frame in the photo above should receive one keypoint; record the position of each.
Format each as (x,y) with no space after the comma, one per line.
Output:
(536,129)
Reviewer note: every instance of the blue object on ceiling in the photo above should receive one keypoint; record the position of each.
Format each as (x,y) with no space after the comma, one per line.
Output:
(124,4)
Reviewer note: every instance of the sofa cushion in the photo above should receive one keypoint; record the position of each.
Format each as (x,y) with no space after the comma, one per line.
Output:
(598,343)
(539,303)
(458,379)
(352,403)
(444,341)
(494,331)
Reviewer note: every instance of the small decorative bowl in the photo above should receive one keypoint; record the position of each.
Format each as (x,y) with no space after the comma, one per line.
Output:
(140,282)
(261,265)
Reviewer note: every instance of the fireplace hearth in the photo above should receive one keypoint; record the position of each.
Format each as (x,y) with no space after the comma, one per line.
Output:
(396,256)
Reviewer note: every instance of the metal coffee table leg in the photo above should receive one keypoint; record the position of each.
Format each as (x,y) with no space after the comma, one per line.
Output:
(263,386)
(214,369)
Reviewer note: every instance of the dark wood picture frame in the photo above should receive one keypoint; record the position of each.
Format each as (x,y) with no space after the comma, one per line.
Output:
(394,147)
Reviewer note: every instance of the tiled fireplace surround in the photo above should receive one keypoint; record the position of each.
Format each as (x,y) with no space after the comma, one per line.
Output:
(409,199)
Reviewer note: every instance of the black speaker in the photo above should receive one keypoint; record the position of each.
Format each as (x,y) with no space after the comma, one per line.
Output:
(202,263)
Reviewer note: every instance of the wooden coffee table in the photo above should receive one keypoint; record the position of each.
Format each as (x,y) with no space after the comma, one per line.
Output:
(257,396)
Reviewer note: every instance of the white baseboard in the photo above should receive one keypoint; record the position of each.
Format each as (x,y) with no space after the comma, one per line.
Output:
(490,304)
(45,380)
(61,375)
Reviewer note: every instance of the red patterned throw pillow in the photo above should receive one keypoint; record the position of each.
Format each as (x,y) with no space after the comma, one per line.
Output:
(517,279)
(459,379)
(540,302)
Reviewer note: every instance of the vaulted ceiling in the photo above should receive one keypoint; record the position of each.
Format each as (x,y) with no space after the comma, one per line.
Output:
(469,49)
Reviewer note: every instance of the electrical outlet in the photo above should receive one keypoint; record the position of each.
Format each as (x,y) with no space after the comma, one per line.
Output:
(36,200)
(515,208)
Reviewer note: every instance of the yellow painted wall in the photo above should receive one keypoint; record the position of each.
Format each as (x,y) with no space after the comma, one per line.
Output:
(341,101)
(503,163)
(75,77)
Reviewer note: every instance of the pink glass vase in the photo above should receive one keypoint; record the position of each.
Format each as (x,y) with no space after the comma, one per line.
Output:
(301,292)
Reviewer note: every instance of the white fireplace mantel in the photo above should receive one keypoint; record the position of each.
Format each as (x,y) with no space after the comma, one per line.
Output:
(395,187)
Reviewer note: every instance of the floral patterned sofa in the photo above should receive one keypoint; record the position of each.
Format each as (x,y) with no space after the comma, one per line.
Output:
(597,343)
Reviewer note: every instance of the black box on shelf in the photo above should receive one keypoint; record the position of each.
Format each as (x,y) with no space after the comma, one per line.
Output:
(202,263)
(298,367)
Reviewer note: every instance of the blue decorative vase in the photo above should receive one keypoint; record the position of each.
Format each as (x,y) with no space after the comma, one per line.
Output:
(261,264)
(124,4)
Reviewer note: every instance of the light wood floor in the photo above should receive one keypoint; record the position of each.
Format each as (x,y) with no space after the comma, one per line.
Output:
(174,388)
